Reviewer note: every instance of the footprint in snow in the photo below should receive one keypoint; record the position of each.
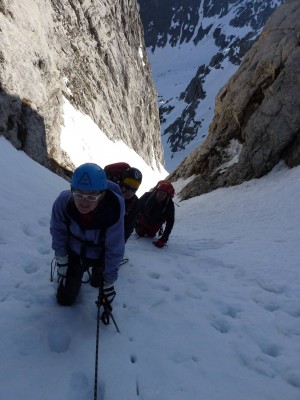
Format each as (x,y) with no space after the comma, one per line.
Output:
(133,359)
(59,339)
(79,387)
(194,293)
(30,268)
(28,231)
(229,310)
(293,378)
(271,287)
(45,221)
(154,275)
(270,349)
(269,304)
(221,325)
(45,250)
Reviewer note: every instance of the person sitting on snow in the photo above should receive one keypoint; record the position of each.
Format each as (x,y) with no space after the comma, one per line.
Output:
(87,228)
(157,208)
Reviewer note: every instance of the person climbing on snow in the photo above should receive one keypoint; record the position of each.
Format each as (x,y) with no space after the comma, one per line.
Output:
(156,209)
(129,180)
(87,228)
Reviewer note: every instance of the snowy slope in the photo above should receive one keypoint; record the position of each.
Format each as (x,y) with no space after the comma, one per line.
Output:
(215,315)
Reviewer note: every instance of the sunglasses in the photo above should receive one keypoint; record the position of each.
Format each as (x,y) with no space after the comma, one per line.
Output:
(89,197)
(128,188)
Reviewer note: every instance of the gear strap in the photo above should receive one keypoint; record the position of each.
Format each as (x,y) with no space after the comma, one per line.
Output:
(107,309)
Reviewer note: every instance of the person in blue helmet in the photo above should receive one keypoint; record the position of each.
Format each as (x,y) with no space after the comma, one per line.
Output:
(87,229)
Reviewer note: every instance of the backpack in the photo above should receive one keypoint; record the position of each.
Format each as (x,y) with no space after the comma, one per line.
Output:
(167,187)
(115,171)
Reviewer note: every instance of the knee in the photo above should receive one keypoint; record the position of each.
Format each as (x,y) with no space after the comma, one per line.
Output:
(63,298)
(140,230)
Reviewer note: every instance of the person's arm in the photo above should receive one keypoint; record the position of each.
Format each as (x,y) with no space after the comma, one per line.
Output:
(114,247)
(59,227)
(170,219)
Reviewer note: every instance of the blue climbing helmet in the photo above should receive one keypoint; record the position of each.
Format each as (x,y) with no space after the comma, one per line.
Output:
(89,176)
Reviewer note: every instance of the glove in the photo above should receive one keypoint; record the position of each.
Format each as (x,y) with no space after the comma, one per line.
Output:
(62,267)
(159,243)
(109,292)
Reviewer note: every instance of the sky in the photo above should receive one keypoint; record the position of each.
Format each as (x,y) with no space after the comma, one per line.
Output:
(214,315)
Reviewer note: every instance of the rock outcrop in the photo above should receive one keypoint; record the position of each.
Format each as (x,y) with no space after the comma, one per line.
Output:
(257,115)
(201,43)
(91,53)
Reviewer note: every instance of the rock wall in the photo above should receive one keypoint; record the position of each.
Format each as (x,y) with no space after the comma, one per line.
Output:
(257,116)
(88,51)
(212,36)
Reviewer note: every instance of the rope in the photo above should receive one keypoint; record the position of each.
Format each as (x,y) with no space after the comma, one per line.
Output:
(97,346)
(102,301)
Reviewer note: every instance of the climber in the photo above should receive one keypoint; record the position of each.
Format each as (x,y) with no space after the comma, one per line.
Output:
(156,209)
(87,228)
(129,180)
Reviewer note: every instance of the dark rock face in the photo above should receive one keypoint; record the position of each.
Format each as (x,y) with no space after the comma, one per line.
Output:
(168,22)
(90,53)
(257,117)
(179,21)
(229,26)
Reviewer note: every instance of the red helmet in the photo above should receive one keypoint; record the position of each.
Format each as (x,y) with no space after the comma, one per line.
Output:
(167,187)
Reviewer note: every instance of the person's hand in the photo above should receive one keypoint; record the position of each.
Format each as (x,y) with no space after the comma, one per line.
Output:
(62,267)
(159,243)
(109,292)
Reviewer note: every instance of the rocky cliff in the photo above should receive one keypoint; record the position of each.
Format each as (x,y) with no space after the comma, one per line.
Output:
(91,53)
(257,114)
(195,46)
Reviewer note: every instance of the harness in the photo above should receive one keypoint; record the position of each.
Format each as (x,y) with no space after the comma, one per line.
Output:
(85,262)
(85,242)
